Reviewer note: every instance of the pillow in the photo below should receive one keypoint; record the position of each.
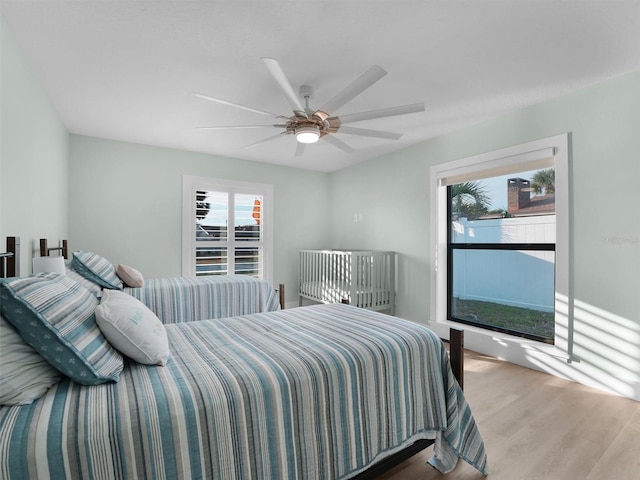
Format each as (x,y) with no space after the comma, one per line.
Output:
(94,288)
(132,328)
(130,276)
(55,315)
(24,375)
(97,269)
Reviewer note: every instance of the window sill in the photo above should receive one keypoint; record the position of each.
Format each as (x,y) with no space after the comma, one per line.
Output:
(494,343)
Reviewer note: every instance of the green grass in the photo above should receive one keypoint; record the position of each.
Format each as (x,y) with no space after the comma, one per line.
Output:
(525,320)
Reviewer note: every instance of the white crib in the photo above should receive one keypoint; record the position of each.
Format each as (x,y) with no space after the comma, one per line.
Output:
(365,279)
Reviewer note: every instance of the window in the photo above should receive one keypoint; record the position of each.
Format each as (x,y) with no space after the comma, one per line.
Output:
(501,240)
(501,253)
(210,246)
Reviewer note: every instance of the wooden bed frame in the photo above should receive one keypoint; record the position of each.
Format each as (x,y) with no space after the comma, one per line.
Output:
(45,251)
(10,260)
(10,264)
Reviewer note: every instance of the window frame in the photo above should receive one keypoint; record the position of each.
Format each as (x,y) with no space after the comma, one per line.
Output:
(190,185)
(550,151)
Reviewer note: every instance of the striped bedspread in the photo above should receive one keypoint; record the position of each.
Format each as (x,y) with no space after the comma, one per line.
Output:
(184,299)
(317,392)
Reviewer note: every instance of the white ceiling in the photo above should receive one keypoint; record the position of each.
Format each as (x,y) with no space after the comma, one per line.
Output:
(125,70)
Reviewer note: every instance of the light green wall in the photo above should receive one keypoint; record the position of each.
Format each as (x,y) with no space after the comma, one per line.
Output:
(392,196)
(604,121)
(34,152)
(125,202)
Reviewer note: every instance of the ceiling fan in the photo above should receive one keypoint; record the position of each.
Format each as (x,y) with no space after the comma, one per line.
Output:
(308,124)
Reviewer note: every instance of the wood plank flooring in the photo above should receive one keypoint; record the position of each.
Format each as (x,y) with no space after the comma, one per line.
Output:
(539,427)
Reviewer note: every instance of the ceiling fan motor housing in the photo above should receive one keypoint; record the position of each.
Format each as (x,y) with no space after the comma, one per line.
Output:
(318,120)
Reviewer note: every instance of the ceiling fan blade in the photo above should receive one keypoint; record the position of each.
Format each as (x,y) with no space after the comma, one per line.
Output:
(237,105)
(383,112)
(365,132)
(300,149)
(339,144)
(358,86)
(223,127)
(281,79)
(264,140)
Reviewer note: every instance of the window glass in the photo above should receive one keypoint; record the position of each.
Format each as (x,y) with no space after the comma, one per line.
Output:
(227,228)
(501,259)
(508,290)
(211,261)
(478,208)
(212,215)
(248,261)
(248,217)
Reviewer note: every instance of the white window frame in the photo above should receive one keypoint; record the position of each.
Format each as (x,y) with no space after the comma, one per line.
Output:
(551,151)
(191,184)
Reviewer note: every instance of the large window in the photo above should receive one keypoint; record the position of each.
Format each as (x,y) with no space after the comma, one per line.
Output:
(501,253)
(227,228)
(500,230)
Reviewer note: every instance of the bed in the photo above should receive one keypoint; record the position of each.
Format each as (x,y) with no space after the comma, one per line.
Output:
(317,392)
(182,299)
(362,278)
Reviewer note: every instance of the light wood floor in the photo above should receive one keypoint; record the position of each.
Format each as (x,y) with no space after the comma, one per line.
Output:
(536,426)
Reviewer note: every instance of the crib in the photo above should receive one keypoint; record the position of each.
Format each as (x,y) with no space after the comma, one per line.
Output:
(365,279)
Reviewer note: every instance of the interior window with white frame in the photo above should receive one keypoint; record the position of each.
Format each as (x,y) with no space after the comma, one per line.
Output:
(501,235)
(227,228)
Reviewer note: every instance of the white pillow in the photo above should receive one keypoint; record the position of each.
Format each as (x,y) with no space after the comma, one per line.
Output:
(24,375)
(132,329)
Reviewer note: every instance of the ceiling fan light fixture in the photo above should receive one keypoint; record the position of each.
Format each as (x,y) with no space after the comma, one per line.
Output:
(308,134)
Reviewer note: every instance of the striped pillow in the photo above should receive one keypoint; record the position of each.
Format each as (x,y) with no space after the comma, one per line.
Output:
(55,315)
(97,269)
(93,287)
(24,375)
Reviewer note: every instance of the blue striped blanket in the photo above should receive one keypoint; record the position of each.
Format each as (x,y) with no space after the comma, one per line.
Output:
(184,299)
(318,392)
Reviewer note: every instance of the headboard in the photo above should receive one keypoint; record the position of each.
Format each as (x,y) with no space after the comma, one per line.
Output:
(10,260)
(45,250)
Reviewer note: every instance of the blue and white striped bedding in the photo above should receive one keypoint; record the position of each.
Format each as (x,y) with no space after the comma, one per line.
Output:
(319,392)
(184,299)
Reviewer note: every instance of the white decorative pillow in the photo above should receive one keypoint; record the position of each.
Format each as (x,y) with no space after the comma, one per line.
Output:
(132,328)
(130,276)
(24,375)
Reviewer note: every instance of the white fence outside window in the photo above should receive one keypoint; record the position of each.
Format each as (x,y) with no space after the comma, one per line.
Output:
(518,278)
